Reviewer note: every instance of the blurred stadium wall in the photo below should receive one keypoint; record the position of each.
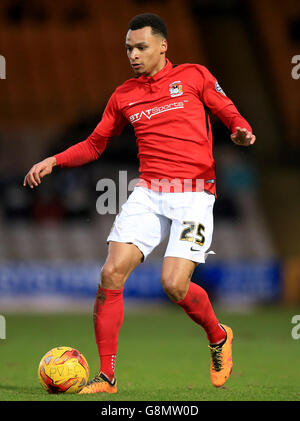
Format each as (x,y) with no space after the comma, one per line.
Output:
(63,60)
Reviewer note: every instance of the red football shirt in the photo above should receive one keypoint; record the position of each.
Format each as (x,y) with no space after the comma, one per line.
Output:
(169,113)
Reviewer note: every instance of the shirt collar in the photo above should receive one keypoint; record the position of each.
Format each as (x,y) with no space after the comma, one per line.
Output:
(167,67)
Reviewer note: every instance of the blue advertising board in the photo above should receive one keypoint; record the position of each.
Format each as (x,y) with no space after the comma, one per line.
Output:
(244,281)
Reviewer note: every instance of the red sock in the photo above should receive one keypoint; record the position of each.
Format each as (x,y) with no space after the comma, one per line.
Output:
(108,318)
(197,306)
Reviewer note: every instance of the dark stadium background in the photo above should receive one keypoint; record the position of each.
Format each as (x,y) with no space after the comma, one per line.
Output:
(63,61)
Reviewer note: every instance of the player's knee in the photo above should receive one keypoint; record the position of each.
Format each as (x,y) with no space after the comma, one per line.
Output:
(112,277)
(175,288)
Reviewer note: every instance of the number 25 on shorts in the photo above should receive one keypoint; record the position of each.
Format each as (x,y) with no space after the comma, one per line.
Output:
(193,233)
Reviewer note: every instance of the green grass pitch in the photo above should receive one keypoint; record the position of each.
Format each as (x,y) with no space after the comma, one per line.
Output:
(162,356)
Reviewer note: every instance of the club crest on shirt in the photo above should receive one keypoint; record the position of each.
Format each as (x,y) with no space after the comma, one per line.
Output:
(175,88)
(219,89)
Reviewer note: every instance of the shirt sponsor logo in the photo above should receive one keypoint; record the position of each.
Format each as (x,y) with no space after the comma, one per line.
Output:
(155,111)
(175,89)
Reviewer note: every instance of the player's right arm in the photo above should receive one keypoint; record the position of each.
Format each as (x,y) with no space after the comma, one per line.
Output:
(38,171)
(111,124)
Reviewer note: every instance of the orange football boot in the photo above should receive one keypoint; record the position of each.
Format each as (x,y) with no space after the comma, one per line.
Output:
(221,360)
(100,384)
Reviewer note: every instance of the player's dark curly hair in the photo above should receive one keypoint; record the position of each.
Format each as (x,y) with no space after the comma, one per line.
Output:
(149,19)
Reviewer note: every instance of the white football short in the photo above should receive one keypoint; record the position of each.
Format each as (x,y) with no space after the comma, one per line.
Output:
(149,216)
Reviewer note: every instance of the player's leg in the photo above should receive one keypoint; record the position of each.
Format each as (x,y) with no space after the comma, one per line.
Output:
(137,230)
(189,241)
(193,299)
(175,277)
(108,314)
(122,259)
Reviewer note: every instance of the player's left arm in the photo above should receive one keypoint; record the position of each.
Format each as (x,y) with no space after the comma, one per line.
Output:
(241,131)
(243,137)
(217,101)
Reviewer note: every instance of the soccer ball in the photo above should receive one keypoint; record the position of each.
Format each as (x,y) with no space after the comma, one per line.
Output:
(63,370)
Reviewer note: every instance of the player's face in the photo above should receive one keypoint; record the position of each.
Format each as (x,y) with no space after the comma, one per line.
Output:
(146,52)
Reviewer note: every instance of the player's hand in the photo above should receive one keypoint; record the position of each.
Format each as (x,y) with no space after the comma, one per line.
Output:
(243,137)
(38,171)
